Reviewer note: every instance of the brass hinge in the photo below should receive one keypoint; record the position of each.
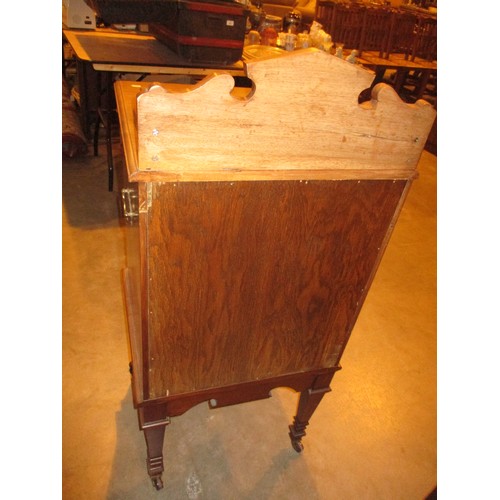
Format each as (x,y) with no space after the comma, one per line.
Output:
(129,203)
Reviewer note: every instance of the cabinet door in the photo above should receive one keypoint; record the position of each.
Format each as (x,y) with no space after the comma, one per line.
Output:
(252,280)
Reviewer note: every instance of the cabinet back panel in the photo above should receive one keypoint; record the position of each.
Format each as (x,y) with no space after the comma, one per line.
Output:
(251,280)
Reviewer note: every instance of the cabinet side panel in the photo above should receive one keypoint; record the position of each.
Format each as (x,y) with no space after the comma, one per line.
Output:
(253,280)
(135,229)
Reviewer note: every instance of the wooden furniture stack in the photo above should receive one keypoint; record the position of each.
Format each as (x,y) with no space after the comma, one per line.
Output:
(399,44)
(257,221)
(384,29)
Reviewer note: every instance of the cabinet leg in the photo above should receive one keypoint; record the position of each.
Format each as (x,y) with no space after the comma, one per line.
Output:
(154,441)
(308,402)
(154,433)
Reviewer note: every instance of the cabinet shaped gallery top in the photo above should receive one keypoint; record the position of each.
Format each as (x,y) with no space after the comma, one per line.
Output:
(302,119)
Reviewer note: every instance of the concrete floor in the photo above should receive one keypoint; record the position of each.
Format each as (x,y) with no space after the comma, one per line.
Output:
(372,437)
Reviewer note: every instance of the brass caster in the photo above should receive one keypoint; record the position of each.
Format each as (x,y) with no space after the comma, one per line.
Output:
(297,445)
(157,482)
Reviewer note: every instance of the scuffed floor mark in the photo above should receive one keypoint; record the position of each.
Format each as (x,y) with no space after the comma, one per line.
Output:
(193,486)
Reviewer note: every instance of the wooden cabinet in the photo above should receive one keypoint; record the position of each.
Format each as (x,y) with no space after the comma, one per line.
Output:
(258,230)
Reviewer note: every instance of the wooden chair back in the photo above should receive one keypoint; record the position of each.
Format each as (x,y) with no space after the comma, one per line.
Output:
(348,24)
(387,30)
(425,45)
(376,29)
(401,39)
(324,14)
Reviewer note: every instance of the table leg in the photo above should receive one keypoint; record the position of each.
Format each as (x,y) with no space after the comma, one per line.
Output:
(98,119)
(109,112)
(379,75)
(84,101)
(308,402)
(401,75)
(422,83)
(105,116)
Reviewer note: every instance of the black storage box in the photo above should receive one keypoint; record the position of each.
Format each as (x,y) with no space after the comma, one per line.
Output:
(202,32)
(127,11)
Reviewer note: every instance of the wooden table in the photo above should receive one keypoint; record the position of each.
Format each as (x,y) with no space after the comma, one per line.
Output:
(372,59)
(134,52)
(256,224)
(110,51)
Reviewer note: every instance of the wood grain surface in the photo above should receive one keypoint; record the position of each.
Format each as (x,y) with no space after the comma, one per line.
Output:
(291,123)
(258,279)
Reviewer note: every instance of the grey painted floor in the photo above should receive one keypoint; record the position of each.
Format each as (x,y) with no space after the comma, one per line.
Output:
(372,437)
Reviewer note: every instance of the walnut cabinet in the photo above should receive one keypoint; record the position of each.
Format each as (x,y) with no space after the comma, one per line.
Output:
(255,230)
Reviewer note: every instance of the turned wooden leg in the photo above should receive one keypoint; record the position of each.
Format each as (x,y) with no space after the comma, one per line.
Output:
(308,402)
(153,422)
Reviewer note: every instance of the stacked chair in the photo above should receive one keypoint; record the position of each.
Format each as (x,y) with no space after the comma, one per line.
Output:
(401,39)
(376,30)
(425,39)
(347,24)
(388,31)
(379,28)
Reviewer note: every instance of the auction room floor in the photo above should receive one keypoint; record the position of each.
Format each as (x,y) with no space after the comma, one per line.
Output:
(372,437)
